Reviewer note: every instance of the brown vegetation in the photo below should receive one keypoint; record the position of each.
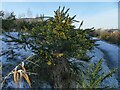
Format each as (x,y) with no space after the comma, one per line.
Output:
(112,36)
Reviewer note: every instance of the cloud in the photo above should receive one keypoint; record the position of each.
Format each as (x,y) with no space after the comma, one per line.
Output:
(108,19)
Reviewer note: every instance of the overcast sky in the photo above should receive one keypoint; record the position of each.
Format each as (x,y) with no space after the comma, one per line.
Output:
(94,14)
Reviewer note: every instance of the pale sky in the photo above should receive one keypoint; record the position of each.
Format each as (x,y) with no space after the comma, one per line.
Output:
(94,14)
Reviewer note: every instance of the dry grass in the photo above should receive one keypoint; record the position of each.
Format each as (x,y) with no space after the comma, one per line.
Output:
(110,36)
(19,74)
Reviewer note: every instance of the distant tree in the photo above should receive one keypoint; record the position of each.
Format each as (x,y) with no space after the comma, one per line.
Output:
(21,15)
(37,15)
(8,21)
(29,13)
(1,13)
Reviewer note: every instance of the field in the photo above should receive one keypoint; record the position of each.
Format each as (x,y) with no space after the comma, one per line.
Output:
(50,52)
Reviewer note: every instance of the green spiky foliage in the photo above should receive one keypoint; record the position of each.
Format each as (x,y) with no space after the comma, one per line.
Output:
(57,36)
(92,76)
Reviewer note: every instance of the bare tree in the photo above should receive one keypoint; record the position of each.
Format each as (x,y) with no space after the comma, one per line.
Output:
(29,13)
(37,15)
(21,15)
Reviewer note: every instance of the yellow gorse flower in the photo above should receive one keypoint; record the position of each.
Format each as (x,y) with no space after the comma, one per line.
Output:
(60,55)
(49,63)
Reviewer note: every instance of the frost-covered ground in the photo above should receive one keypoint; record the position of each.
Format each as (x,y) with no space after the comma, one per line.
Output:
(14,53)
(108,52)
(11,55)
(111,55)
(111,51)
(110,81)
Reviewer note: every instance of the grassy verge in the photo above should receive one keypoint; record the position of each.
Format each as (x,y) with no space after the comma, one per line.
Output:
(109,36)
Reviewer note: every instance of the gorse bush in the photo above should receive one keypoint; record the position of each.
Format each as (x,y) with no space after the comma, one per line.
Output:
(56,38)
(54,42)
